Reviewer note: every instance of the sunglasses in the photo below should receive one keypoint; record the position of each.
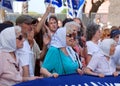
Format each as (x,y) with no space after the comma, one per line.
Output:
(20,37)
(71,35)
(17,67)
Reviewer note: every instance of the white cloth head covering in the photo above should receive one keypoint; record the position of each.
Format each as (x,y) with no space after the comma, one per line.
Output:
(105,46)
(59,41)
(8,39)
(59,38)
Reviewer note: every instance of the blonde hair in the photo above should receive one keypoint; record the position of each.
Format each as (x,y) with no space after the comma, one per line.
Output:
(105,33)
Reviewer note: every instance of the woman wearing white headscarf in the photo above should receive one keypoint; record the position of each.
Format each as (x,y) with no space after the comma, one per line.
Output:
(10,71)
(57,59)
(101,64)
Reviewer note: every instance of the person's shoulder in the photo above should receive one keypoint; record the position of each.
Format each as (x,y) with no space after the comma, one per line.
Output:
(118,47)
(54,49)
(89,43)
(3,55)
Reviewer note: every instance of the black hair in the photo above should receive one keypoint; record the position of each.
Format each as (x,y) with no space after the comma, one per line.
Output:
(52,16)
(91,30)
(66,20)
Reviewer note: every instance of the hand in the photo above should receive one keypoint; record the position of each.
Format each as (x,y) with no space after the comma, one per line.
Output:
(50,9)
(101,75)
(115,74)
(55,75)
(34,77)
(80,71)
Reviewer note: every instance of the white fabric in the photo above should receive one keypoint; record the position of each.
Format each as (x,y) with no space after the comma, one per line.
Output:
(25,56)
(8,40)
(100,64)
(59,38)
(105,46)
(92,48)
(116,56)
(119,40)
(74,56)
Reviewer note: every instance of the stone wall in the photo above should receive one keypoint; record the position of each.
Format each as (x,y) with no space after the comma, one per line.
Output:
(114,12)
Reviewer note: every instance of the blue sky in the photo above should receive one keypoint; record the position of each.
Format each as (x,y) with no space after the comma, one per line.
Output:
(39,6)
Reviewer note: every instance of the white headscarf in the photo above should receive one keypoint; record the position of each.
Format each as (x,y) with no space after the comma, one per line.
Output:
(8,39)
(105,46)
(59,38)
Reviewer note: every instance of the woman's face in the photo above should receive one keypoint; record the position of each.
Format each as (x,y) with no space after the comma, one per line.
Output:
(97,34)
(19,40)
(53,25)
(70,38)
(116,38)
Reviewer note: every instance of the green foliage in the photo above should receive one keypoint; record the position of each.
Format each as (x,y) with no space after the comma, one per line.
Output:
(64,10)
(33,13)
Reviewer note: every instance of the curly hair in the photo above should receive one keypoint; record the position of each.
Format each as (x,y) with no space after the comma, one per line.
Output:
(91,30)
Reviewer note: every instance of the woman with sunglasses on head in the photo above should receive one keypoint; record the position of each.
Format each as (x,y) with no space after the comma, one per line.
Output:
(58,61)
(115,35)
(11,72)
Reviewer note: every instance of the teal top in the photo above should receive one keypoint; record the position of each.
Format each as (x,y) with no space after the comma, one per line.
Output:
(57,62)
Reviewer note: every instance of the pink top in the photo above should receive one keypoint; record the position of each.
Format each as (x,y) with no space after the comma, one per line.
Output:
(10,71)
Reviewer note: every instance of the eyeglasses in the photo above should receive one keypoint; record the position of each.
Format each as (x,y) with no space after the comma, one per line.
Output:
(71,35)
(20,37)
(17,67)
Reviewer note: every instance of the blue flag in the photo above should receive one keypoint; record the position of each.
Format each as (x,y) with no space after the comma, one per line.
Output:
(7,5)
(74,80)
(54,2)
(21,0)
(75,7)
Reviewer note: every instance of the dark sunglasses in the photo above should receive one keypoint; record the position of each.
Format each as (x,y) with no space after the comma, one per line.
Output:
(17,67)
(71,35)
(20,37)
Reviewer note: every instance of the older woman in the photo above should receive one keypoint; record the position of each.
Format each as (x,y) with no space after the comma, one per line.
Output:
(101,64)
(11,73)
(93,36)
(57,59)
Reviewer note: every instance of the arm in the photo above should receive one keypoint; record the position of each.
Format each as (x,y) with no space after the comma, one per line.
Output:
(43,53)
(90,72)
(46,73)
(43,19)
(30,78)
(26,71)
(88,59)
(46,40)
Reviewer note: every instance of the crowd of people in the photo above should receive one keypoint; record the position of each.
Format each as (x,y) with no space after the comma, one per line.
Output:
(32,49)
